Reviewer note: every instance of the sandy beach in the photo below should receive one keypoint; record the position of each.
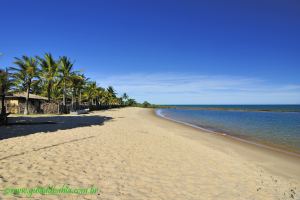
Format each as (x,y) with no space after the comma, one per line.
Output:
(130,153)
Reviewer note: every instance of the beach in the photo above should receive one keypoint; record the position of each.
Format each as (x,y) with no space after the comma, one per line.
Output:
(131,153)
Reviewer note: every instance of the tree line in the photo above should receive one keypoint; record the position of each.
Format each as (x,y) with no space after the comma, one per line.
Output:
(57,80)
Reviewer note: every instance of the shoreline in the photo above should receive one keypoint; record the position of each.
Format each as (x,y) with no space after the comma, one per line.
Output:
(261,144)
(253,152)
(134,154)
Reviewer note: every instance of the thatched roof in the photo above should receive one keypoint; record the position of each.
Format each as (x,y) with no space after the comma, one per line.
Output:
(23,95)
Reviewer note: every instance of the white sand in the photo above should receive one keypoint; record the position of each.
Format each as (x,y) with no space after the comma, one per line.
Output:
(136,155)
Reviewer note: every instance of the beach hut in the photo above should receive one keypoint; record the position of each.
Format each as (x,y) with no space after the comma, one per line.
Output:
(15,103)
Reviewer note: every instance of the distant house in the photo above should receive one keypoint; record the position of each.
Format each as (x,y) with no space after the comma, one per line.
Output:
(15,103)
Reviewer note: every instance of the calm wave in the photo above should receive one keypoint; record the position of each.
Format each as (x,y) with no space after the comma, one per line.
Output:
(279,129)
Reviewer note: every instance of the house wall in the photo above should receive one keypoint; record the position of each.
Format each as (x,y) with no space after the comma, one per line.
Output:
(17,106)
(12,106)
(33,106)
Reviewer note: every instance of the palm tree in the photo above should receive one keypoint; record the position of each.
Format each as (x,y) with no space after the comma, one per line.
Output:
(112,91)
(65,70)
(81,86)
(25,73)
(106,98)
(56,92)
(100,93)
(119,101)
(4,84)
(131,102)
(36,86)
(77,81)
(111,96)
(124,98)
(56,80)
(49,71)
(91,92)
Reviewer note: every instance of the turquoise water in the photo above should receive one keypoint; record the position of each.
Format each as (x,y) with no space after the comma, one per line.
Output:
(279,129)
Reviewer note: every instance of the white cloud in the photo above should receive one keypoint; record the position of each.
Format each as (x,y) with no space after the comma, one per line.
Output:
(172,88)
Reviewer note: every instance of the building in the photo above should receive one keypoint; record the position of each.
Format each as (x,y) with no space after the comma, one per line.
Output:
(15,103)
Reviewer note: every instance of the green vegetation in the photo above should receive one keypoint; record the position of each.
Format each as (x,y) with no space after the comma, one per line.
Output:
(148,105)
(57,80)
(4,84)
(25,75)
(48,74)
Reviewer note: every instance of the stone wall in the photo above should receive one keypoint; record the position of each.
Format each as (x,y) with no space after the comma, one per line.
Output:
(18,106)
(40,107)
(51,108)
(32,107)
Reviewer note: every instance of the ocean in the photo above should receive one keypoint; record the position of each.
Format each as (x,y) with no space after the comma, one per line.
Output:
(277,126)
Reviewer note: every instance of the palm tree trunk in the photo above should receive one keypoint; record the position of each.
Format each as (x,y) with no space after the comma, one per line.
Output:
(27,101)
(64,94)
(3,110)
(80,97)
(49,91)
(97,102)
(72,103)
(3,90)
(73,100)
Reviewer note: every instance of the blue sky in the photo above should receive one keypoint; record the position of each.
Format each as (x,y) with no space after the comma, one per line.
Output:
(169,52)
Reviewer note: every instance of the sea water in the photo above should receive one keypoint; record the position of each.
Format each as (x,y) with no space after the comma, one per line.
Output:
(276,126)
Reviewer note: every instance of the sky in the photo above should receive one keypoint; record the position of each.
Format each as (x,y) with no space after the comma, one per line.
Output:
(167,51)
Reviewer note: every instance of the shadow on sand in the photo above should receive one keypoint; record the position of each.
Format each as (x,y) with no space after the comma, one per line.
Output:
(21,126)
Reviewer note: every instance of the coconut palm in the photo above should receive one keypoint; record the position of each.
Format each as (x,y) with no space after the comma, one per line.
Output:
(124,98)
(57,80)
(106,98)
(111,96)
(65,73)
(56,92)
(131,102)
(81,86)
(100,93)
(91,92)
(49,71)
(4,84)
(112,91)
(24,75)
(119,101)
(76,81)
